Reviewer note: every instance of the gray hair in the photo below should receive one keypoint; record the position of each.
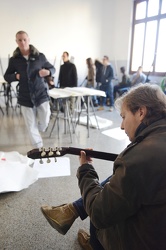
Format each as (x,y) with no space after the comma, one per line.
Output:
(149,95)
(20,32)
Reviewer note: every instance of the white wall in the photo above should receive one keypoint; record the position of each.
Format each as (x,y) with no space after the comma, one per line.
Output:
(116,29)
(84,28)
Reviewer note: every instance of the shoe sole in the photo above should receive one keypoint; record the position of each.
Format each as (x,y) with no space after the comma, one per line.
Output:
(55,225)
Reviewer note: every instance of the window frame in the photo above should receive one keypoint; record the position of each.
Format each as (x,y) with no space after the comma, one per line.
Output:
(145,21)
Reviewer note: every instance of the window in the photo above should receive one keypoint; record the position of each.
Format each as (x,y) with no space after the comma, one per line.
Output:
(148,45)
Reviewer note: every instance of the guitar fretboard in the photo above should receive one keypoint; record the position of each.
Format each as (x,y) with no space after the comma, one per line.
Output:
(93,154)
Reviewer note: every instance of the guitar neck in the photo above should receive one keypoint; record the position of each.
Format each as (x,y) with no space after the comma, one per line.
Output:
(92,153)
(58,152)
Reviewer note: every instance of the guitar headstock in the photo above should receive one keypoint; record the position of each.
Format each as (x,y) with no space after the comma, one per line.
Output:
(47,153)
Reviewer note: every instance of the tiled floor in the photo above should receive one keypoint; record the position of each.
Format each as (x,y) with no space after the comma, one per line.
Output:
(23,227)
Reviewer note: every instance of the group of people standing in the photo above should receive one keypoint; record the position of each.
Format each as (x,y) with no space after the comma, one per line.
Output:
(33,72)
(100,76)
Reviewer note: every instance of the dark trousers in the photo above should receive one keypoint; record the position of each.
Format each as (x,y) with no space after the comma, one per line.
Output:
(78,204)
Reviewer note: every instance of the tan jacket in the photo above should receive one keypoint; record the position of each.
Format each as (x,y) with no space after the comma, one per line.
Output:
(91,77)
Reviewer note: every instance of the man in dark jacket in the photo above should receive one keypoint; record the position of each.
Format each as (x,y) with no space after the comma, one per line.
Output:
(129,211)
(68,73)
(68,76)
(30,67)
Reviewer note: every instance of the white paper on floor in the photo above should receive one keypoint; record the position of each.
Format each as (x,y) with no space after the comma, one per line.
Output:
(15,172)
(53,169)
(116,133)
(102,122)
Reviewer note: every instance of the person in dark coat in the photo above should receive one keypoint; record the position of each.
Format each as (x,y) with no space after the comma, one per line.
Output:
(68,72)
(99,66)
(128,211)
(67,77)
(30,67)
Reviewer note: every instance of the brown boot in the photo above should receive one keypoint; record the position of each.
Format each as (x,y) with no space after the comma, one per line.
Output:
(100,108)
(61,217)
(84,240)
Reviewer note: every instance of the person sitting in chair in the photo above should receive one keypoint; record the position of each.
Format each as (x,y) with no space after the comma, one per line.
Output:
(138,77)
(124,84)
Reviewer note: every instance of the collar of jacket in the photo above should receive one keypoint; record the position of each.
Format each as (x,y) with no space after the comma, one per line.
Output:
(67,62)
(141,127)
(142,131)
(33,51)
(139,135)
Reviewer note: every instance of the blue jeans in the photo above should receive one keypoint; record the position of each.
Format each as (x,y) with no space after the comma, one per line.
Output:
(94,98)
(78,204)
(108,88)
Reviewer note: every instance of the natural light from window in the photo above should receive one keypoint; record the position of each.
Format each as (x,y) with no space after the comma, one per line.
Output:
(161,52)
(153,8)
(138,46)
(141,11)
(149,39)
(163,8)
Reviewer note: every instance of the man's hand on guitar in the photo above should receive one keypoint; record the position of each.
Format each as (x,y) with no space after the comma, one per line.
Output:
(84,159)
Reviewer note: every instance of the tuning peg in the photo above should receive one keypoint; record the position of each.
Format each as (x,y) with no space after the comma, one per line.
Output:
(48,160)
(50,153)
(57,151)
(41,161)
(43,153)
(55,159)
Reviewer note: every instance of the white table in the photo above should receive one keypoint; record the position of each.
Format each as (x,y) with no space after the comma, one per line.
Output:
(81,92)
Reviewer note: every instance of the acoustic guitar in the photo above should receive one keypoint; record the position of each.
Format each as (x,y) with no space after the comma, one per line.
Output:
(61,151)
